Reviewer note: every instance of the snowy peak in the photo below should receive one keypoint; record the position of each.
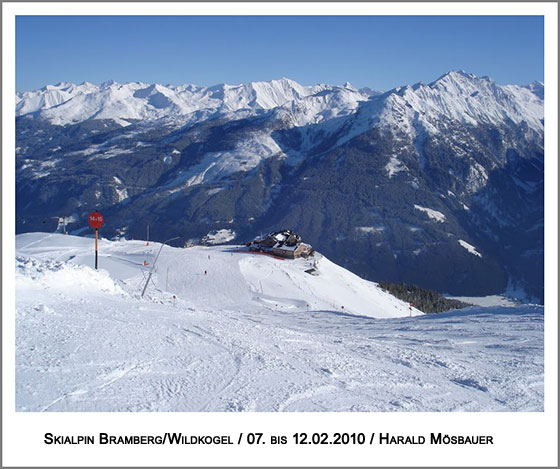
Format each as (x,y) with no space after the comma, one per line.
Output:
(260,94)
(537,88)
(349,86)
(460,97)
(459,76)
(462,83)
(324,104)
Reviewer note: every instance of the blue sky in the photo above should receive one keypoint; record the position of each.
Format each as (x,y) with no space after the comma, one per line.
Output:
(376,51)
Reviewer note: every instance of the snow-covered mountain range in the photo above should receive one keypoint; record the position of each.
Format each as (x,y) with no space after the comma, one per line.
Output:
(222,331)
(67,103)
(439,184)
(458,96)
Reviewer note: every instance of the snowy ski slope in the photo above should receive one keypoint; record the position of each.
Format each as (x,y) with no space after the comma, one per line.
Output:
(220,330)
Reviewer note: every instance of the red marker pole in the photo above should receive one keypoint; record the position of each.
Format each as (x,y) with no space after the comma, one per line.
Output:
(96,221)
(96,250)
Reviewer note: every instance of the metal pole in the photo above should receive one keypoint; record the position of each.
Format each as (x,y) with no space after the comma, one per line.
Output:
(154,264)
(96,230)
(146,285)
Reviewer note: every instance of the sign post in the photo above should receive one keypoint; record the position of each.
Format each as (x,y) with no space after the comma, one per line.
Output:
(96,221)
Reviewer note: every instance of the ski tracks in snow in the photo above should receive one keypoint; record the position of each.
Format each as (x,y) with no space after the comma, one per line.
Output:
(206,344)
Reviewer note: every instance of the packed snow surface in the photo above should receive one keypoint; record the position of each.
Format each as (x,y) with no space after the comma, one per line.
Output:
(220,330)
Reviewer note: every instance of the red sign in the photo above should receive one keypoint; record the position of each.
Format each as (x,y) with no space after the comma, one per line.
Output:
(96,220)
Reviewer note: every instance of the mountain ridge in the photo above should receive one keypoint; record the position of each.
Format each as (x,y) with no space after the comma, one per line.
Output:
(261,95)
